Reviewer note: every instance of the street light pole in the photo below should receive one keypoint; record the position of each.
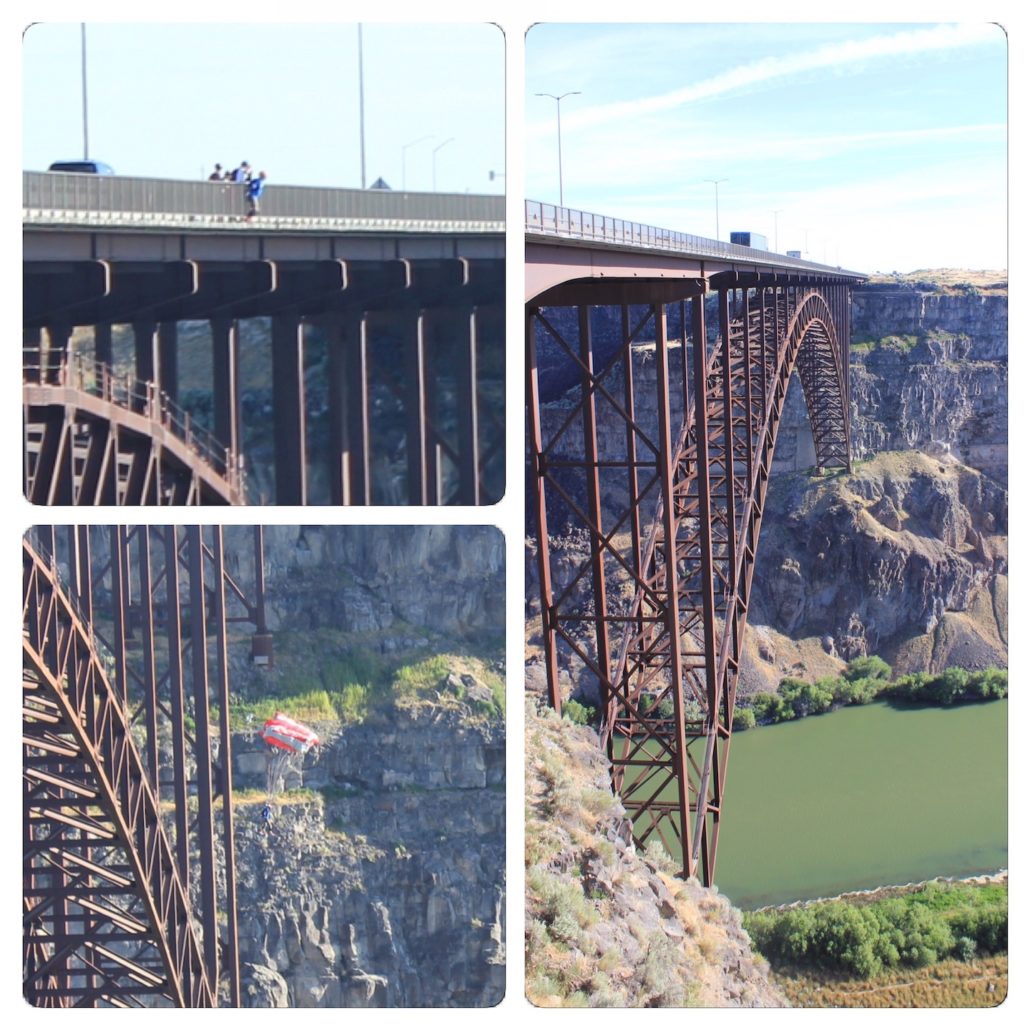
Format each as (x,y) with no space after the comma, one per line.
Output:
(450,139)
(361,102)
(85,107)
(404,155)
(557,103)
(716,183)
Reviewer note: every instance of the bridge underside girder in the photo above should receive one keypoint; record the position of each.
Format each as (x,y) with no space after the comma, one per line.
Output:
(651,470)
(415,362)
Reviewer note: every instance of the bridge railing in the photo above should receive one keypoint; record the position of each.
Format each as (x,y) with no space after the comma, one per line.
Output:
(568,223)
(77,196)
(79,372)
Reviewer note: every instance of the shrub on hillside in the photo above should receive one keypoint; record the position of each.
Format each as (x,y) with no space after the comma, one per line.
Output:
(580,714)
(869,667)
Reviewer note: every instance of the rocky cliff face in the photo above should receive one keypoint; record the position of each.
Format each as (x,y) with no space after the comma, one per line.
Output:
(385,885)
(905,558)
(929,371)
(380,881)
(446,580)
(607,925)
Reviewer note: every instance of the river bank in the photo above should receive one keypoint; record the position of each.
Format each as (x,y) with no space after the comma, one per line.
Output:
(872,894)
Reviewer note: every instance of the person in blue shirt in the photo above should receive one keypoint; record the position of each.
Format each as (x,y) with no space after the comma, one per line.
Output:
(241,174)
(255,188)
(266,817)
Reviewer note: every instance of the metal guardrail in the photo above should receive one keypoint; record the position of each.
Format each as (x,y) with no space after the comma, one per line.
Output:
(569,224)
(76,198)
(131,394)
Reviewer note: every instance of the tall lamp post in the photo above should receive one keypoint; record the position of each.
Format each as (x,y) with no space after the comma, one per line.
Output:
(361,102)
(450,139)
(557,103)
(716,182)
(404,156)
(85,106)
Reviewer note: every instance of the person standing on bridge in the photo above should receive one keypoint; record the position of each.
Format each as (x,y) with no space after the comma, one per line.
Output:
(242,174)
(217,175)
(255,188)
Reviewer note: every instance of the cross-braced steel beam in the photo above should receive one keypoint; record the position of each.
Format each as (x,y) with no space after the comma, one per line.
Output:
(649,476)
(129,876)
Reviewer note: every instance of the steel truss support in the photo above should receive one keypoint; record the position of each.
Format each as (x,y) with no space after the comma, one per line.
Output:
(664,509)
(129,877)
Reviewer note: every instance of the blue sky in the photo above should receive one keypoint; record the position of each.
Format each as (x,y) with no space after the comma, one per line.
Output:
(169,100)
(882,146)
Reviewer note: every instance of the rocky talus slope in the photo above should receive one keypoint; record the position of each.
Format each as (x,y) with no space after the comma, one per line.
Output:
(607,925)
(382,882)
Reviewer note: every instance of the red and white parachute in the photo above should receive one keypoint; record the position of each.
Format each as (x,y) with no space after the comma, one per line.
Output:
(285,734)
(288,742)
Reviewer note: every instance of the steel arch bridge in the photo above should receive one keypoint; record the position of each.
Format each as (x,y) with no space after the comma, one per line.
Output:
(129,871)
(652,470)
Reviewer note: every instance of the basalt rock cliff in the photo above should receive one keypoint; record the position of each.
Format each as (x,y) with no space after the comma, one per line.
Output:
(380,879)
(382,884)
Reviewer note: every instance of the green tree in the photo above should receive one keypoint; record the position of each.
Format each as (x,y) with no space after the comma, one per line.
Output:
(990,683)
(578,713)
(857,692)
(948,687)
(743,719)
(867,667)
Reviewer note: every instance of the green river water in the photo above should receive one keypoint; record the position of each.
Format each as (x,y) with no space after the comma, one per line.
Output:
(863,797)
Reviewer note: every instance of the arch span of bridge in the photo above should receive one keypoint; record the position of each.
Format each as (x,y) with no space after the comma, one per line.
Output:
(129,871)
(406,290)
(649,462)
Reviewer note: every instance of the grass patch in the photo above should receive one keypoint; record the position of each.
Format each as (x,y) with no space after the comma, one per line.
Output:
(324,677)
(900,343)
(981,983)
(250,796)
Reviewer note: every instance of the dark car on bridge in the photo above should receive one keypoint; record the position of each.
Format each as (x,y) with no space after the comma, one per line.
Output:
(85,167)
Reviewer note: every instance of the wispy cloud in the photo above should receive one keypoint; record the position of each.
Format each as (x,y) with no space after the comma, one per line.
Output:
(831,56)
